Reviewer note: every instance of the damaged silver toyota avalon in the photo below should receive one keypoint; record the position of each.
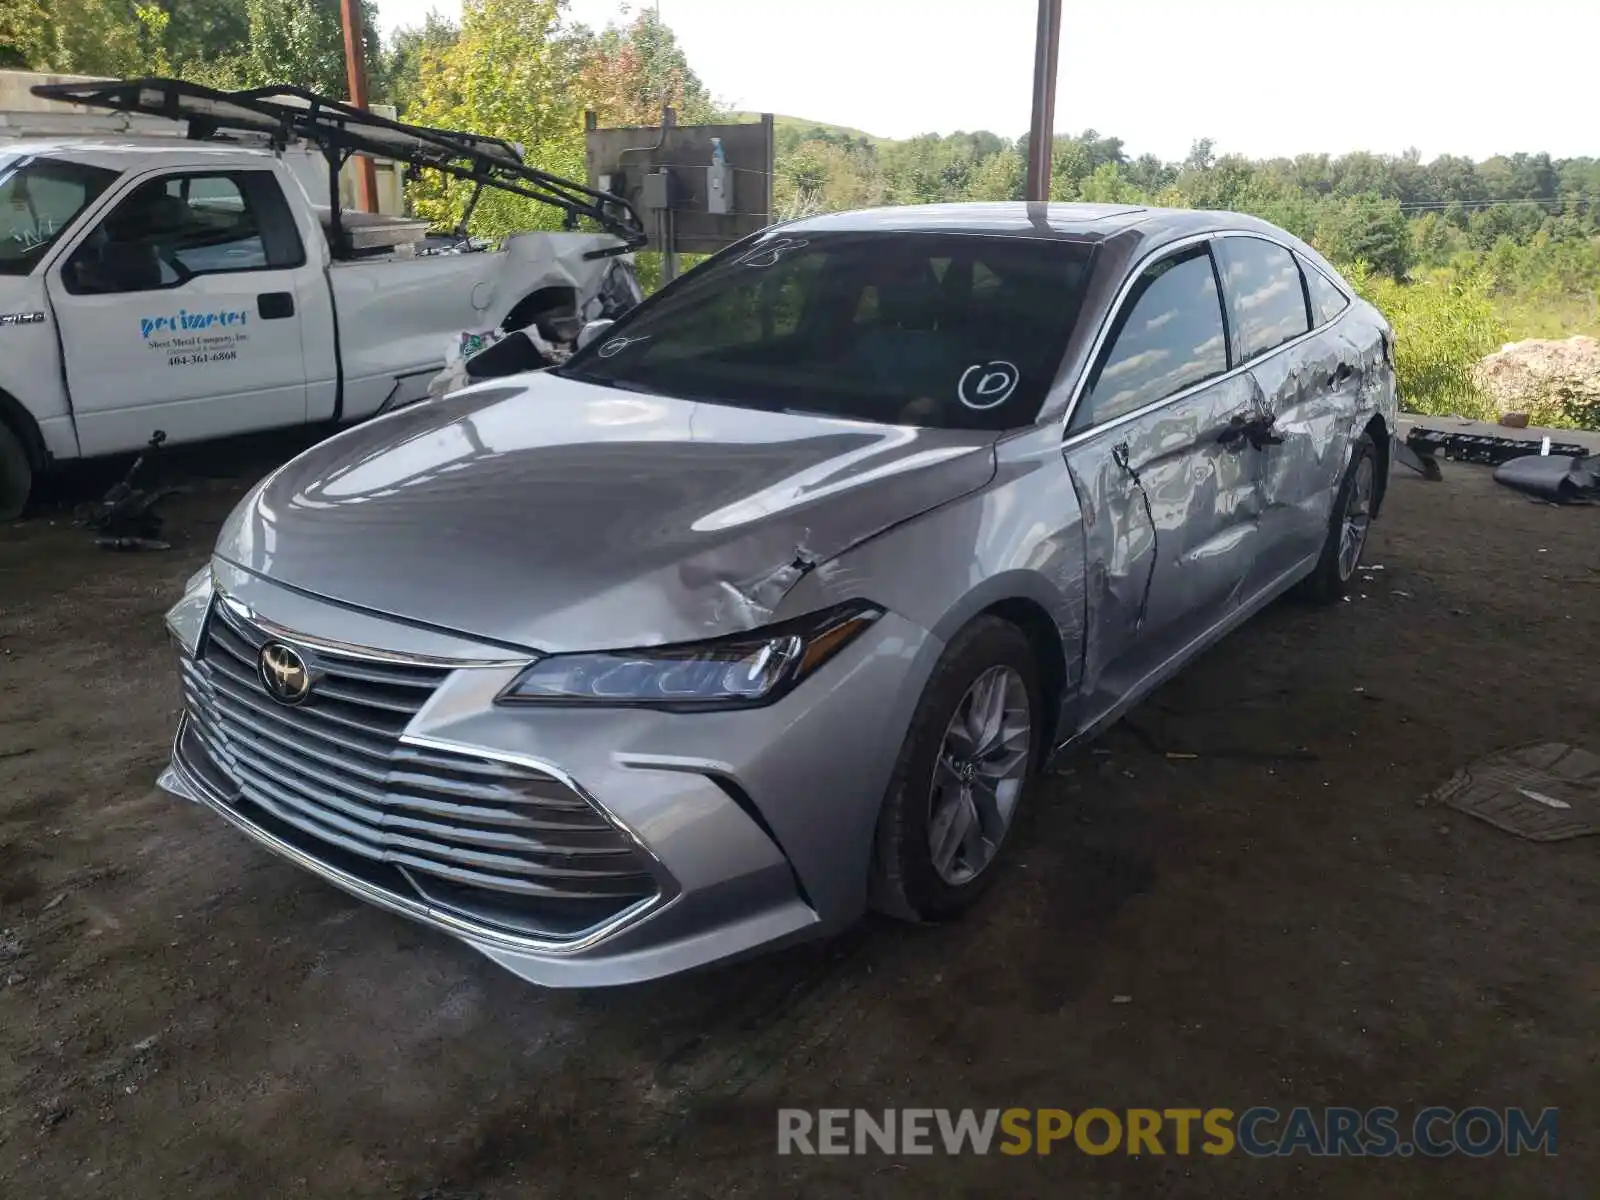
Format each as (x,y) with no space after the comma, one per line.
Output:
(769,604)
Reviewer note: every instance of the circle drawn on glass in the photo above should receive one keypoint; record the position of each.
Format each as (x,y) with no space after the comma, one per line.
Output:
(618,344)
(768,254)
(988,385)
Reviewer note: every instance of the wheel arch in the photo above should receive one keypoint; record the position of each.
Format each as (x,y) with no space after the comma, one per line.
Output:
(20,422)
(1378,430)
(547,298)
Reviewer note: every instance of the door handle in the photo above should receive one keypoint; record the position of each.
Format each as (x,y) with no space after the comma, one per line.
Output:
(275,306)
(1256,431)
(1235,433)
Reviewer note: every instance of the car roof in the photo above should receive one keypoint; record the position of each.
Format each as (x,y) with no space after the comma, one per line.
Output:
(1053,220)
(130,152)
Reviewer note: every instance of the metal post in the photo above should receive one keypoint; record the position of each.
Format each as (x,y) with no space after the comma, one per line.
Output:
(355,71)
(1046,52)
(669,226)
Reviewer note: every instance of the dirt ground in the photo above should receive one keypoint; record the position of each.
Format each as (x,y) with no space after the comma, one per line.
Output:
(1279,920)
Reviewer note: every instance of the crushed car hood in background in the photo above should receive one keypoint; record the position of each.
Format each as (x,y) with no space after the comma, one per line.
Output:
(560,515)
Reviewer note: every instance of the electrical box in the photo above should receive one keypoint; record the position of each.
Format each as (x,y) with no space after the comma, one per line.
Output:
(719,190)
(658,190)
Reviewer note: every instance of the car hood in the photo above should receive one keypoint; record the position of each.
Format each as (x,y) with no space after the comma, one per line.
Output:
(552,514)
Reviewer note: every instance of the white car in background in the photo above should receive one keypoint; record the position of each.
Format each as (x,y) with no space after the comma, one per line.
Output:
(192,286)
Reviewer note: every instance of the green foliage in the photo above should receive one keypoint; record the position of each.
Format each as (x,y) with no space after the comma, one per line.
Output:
(294,41)
(1368,229)
(505,75)
(628,74)
(24,33)
(1442,326)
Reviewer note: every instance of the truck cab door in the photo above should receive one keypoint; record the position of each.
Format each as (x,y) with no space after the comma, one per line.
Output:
(177,311)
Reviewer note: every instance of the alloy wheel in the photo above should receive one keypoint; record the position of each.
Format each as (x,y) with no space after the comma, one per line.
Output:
(1357,518)
(983,762)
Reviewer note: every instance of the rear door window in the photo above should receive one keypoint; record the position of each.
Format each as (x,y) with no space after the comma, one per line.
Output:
(1266,300)
(1168,336)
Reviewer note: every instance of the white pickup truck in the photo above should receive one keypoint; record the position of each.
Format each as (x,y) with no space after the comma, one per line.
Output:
(191,285)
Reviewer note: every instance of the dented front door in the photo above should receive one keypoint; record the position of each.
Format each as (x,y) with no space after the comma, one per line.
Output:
(1171,510)
(1167,478)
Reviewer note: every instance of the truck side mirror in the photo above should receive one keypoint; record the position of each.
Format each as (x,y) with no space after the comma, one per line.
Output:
(593,330)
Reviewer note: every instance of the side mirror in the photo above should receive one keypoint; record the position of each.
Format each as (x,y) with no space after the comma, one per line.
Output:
(592,331)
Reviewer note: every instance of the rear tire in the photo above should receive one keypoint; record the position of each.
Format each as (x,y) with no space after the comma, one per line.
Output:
(16,474)
(963,774)
(1349,524)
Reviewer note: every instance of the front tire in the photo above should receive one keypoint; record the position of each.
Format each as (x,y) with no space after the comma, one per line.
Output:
(1348,526)
(16,474)
(962,775)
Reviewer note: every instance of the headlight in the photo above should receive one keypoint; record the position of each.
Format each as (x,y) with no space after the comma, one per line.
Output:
(187,617)
(741,671)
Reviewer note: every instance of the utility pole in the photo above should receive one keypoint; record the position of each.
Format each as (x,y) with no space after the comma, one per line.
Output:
(1041,134)
(356,74)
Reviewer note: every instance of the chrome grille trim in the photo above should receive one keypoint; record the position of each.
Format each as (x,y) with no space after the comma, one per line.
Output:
(339,770)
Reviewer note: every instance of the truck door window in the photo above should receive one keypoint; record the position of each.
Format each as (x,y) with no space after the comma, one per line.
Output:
(171,229)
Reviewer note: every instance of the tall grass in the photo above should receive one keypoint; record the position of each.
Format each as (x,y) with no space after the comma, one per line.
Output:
(1443,324)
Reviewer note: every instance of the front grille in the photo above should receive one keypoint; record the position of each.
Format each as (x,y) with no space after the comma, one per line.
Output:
(497,842)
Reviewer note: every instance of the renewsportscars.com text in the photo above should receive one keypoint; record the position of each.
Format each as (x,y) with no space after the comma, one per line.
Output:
(1432,1132)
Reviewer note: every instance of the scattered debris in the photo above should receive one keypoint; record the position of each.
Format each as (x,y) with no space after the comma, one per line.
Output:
(1544,793)
(1514,420)
(1559,480)
(1482,448)
(54,1113)
(125,518)
(1423,464)
(1180,754)
(13,978)
(148,1043)
(57,902)
(16,753)
(1122,999)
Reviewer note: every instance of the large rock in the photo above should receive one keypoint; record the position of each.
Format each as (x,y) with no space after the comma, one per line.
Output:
(1556,382)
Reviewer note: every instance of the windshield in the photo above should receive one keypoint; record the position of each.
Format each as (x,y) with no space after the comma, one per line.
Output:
(934,330)
(39,200)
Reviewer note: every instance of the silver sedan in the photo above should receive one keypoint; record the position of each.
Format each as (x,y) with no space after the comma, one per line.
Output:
(770,604)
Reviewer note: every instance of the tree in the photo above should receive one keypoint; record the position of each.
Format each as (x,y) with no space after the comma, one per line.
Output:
(1368,229)
(24,34)
(506,74)
(297,42)
(627,75)
(409,49)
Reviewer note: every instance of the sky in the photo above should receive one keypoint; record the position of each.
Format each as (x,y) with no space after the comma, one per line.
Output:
(1258,78)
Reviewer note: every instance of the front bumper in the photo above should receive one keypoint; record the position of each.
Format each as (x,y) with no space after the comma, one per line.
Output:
(757,825)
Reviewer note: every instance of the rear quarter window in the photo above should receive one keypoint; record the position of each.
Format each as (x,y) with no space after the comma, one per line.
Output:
(1327,301)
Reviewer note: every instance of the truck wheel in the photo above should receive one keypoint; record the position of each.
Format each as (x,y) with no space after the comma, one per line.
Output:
(16,474)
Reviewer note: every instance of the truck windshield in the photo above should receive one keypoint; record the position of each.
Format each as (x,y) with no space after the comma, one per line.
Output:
(39,200)
(937,330)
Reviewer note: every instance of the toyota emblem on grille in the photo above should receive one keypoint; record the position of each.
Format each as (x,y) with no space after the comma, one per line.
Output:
(284,673)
